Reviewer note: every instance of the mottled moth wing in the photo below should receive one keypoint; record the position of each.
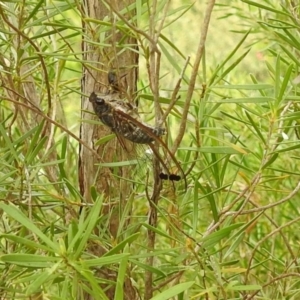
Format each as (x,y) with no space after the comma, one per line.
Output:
(123,119)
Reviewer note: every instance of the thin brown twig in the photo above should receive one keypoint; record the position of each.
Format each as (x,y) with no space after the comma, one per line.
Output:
(268,236)
(38,52)
(197,138)
(169,279)
(285,239)
(221,216)
(38,111)
(256,179)
(263,208)
(134,28)
(160,26)
(155,33)
(174,97)
(85,65)
(153,67)
(248,297)
(195,71)
(264,213)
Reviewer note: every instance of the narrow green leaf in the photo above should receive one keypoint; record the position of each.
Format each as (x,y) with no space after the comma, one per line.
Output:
(47,34)
(62,172)
(214,191)
(105,139)
(171,58)
(234,118)
(147,267)
(253,87)
(94,193)
(121,245)
(173,46)
(8,143)
(251,287)
(34,11)
(285,171)
(182,9)
(277,79)
(29,260)
(261,91)
(233,65)
(291,55)
(268,8)
(217,150)
(106,260)
(244,100)
(51,13)
(17,215)
(96,291)
(288,39)
(271,160)
(46,164)
(26,242)
(195,210)
(280,26)
(8,175)
(255,127)
(158,231)
(214,238)
(138,7)
(64,145)
(220,67)
(211,199)
(237,237)
(86,228)
(234,244)
(292,98)
(120,279)
(287,149)
(30,156)
(119,164)
(162,100)
(173,291)
(44,276)
(292,116)
(36,137)
(285,82)
(63,25)
(72,189)
(293,37)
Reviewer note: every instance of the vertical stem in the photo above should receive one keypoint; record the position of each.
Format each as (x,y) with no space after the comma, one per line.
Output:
(192,83)
(90,174)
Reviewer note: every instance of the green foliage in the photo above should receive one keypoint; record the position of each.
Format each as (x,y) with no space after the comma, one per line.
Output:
(233,233)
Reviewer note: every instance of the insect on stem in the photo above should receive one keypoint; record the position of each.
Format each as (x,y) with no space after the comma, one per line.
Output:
(123,119)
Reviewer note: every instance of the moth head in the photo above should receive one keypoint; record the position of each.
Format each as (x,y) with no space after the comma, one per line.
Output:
(159,131)
(95,99)
(99,100)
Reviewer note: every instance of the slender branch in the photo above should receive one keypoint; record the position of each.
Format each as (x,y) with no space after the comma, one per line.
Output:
(263,208)
(37,52)
(160,27)
(153,67)
(134,28)
(248,297)
(174,97)
(168,280)
(195,70)
(38,111)
(268,236)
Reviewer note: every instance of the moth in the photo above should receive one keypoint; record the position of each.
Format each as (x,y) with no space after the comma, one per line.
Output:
(123,119)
